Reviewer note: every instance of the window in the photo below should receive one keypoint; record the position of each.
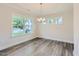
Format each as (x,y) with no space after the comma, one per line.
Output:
(28,26)
(58,20)
(21,25)
(50,20)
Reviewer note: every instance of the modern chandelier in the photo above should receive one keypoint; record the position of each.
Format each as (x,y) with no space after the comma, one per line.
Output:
(42,19)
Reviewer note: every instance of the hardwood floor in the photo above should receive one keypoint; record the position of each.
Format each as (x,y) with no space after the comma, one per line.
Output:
(39,47)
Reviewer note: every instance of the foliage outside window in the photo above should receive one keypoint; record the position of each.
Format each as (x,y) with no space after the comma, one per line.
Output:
(21,25)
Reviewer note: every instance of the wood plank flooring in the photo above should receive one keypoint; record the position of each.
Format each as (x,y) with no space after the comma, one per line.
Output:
(39,47)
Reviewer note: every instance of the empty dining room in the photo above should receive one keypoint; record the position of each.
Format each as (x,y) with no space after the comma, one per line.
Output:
(39,29)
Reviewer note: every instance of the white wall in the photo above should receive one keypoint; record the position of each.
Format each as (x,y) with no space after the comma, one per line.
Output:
(6,39)
(62,32)
(54,32)
(76,29)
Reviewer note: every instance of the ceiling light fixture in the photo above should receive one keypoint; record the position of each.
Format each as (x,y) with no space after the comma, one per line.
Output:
(41,19)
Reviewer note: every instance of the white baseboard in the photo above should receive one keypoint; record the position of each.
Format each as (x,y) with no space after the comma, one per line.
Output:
(56,39)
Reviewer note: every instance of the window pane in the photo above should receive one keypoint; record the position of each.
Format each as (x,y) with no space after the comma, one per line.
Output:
(20,26)
(60,20)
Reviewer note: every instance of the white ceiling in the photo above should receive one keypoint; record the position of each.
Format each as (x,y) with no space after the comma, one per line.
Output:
(47,8)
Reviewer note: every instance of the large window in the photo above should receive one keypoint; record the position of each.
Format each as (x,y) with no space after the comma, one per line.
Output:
(21,25)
